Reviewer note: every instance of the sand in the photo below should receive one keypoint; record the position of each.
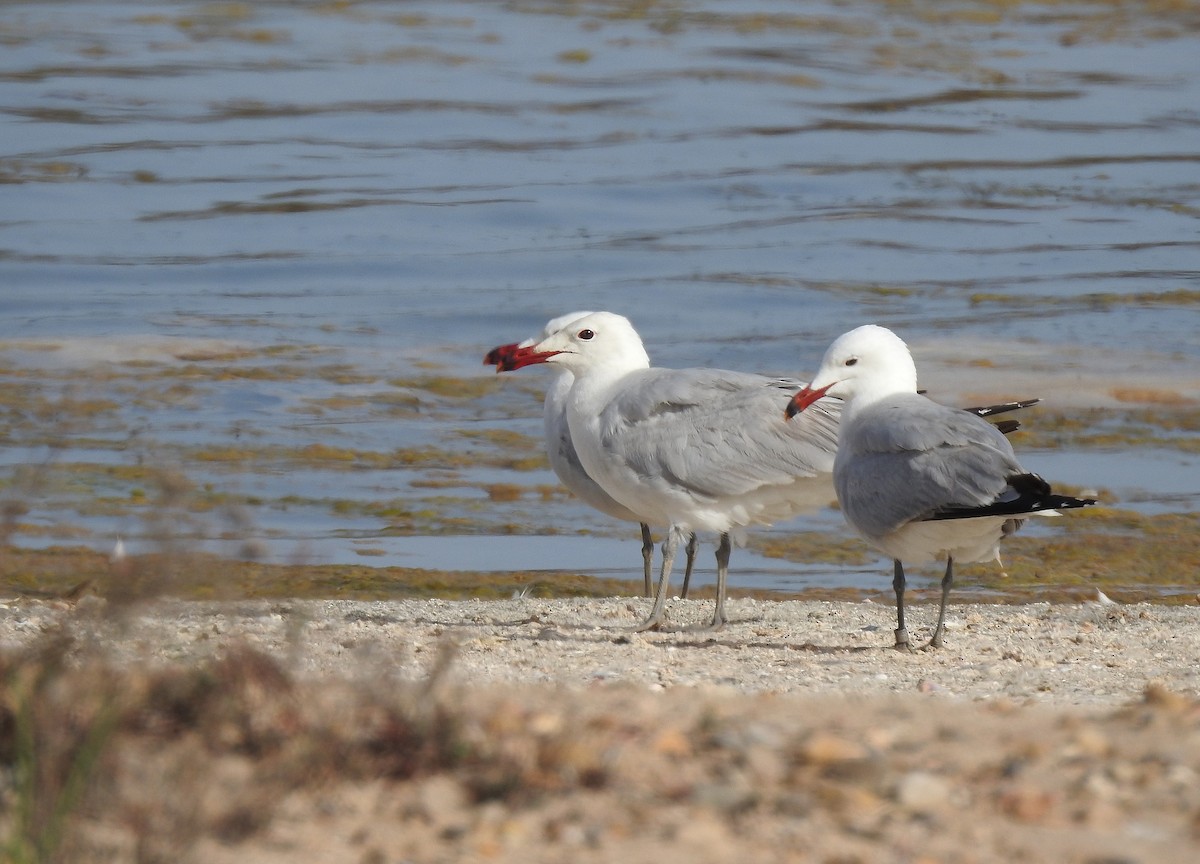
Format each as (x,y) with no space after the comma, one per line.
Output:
(1039,732)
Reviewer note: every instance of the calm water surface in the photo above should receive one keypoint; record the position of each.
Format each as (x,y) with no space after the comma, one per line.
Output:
(233,234)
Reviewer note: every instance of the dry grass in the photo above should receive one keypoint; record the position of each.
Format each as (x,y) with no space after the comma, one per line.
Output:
(140,762)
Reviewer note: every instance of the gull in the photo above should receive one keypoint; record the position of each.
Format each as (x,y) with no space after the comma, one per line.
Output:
(561,452)
(693,449)
(915,478)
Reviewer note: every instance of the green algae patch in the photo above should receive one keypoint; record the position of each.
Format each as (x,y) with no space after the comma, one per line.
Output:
(326,456)
(63,572)
(1125,554)
(1150,396)
(435,457)
(1102,300)
(503,438)
(68,572)
(387,404)
(1147,557)
(501,492)
(810,547)
(27,171)
(26,405)
(1153,419)
(450,387)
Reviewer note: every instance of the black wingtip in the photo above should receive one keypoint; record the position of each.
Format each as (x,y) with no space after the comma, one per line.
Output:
(1002,407)
(1033,496)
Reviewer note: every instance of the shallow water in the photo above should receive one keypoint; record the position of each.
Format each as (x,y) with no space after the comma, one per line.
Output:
(254,226)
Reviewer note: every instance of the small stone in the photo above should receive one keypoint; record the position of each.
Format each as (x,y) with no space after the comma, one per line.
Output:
(545,723)
(1100,786)
(673,742)
(824,748)
(1026,804)
(1092,742)
(728,797)
(921,792)
(442,801)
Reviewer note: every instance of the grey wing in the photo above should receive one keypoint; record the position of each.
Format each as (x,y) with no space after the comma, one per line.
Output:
(905,458)
(718,433)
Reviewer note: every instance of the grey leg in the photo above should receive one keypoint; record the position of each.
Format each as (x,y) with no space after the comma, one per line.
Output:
(647,557)
(723,548)
(687,570)
(670,544)
(947,581)
(898,586)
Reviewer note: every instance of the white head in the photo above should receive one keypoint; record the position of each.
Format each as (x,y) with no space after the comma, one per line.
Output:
(504,356)
(601,340)
(554,325)
(868,362)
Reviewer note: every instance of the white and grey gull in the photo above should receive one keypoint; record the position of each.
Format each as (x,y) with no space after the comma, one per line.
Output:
(560,450)
(914,478)
(692,449)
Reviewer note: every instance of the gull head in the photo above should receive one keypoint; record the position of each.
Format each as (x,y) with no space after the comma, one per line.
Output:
(867,361)
(600,340)
(508,357)
(556,324)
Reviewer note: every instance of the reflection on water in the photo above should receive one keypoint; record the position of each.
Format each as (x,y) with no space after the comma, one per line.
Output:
(236,232)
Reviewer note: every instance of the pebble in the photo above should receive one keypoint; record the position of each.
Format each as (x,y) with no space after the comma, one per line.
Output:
(921,792)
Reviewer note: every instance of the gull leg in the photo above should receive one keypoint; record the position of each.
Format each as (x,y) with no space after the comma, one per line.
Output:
(687,570)
(670,544)
(723,548)
(947,581)
(898,586)
(647,557)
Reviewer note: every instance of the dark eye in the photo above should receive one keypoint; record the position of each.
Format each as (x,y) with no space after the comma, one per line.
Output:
(851,361)
(585,335)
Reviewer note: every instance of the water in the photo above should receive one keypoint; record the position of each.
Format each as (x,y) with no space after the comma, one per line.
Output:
(254,225)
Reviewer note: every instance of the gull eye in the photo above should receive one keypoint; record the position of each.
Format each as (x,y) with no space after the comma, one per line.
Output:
(851,361)
(585,335)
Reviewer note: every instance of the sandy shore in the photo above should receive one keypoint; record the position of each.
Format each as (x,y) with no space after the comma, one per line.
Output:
(1064,733)
(1086,654)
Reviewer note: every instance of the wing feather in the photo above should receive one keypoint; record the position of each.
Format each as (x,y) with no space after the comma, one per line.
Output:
(906,458)
(716,433)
